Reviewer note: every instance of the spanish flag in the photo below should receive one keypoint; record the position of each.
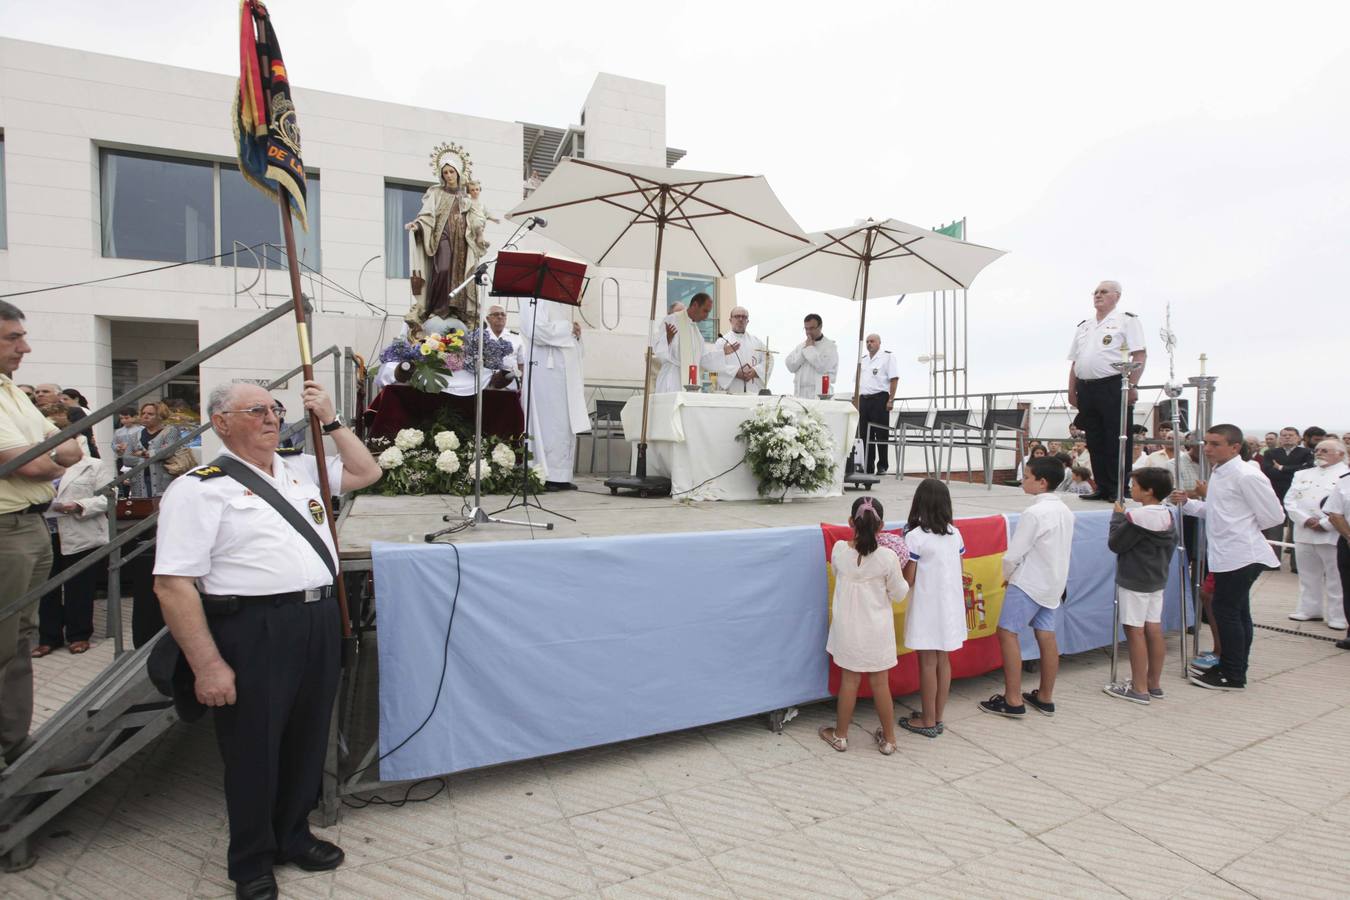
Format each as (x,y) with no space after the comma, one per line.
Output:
(986,539)
(265,126)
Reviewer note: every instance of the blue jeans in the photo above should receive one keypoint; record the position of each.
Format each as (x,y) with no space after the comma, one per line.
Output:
(1233,618)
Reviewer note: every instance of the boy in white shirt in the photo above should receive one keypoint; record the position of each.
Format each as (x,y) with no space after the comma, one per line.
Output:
(1036,566)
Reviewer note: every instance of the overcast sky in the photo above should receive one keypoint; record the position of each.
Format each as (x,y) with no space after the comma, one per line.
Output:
(1196,152)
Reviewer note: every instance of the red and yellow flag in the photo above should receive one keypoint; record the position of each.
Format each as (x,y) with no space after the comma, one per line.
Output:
(986,539)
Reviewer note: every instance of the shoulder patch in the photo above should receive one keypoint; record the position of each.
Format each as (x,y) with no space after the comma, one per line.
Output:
(290,451)
(207,472)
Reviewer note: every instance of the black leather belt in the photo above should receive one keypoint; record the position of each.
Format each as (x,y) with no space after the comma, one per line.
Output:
(1098,380)
(229,604)
(35,509)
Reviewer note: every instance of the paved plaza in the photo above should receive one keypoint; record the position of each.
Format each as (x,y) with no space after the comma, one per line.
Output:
(1205,794)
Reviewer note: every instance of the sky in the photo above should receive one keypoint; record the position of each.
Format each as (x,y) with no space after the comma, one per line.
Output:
(1195,152)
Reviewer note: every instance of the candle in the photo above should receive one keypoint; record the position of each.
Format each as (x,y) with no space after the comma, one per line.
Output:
(1202,364)
(825,384)
(693,374)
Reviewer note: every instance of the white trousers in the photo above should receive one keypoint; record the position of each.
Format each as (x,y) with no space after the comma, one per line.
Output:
(1319,583)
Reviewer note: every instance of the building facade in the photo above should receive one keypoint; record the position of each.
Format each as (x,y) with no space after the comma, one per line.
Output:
(130,240)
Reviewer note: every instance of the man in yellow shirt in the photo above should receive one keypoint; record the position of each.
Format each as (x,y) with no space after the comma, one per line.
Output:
(25,548)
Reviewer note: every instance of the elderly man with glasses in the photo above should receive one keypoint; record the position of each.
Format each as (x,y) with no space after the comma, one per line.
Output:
(738,357)
(1319,584)
(250,601)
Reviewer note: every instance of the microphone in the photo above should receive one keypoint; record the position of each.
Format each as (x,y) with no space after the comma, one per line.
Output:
(539,221)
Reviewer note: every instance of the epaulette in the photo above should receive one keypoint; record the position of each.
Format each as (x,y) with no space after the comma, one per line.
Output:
(290,451)
(1131,315)
(207,472)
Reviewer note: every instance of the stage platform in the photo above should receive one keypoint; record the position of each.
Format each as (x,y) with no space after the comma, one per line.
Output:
(370,519)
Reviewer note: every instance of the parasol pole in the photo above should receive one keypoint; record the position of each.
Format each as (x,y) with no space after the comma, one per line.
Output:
(862,325)
(651,320)
(315,432)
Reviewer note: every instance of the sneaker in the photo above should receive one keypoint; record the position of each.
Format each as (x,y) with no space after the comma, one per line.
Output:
(1041,706)
(1215,680)
(998,705)
(1157,693)
(1125,691)
(1205,661)
(1300,617)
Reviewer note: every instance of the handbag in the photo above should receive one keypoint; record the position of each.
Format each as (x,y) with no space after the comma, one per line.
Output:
(182,461)
(132,508)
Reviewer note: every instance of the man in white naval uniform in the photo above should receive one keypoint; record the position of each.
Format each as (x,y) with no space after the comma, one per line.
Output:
(814,358)
(679,344)
(876,397)
(739,359)
(1095,388)
(554,397)
(1319,584)
(510,365)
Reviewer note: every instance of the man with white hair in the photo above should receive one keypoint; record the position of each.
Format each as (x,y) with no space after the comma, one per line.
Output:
(1110,337)
(876,398)
(244,573)
(738,357)
(1319,584)
(506,376)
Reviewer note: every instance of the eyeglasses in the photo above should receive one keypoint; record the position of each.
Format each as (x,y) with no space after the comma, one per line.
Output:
(260,411)
(740,317)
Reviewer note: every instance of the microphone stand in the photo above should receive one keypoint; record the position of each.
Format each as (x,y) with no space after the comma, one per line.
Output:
(476,515)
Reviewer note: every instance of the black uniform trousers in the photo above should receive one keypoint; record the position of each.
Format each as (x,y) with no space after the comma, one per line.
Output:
(1233,618)
(872,409)
(1343,567)
(1099,416)
(274,738)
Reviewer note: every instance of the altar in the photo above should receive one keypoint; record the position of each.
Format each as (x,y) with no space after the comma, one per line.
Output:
(691,439)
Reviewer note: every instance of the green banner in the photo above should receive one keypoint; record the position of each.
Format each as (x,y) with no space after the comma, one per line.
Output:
(955,230)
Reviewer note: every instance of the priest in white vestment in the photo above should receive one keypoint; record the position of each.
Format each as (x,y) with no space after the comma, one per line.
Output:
(739,359)
(678,344)
(554,396)
(814,358)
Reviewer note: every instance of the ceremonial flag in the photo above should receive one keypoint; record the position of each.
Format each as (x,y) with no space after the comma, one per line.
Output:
(265,126)
(955,230)
(985,539)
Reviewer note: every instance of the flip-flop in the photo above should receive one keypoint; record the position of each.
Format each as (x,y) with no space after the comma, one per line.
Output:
(885,747)
(908,725)
(79,647)
(838,743)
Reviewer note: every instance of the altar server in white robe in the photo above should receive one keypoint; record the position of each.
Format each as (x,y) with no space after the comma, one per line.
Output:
(678,344)
(743,368)
(813,359)
(554,393)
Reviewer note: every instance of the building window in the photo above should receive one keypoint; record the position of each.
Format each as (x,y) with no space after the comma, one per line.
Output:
(157,208)
(402,202)
(4,234)
(164,208)
(125,375)
(248,218)
(682,286)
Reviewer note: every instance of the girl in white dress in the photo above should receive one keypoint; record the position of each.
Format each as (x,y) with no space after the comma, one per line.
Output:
(862,630)
(936,622)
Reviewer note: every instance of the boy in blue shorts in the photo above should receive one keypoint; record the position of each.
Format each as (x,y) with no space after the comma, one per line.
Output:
(1036,569)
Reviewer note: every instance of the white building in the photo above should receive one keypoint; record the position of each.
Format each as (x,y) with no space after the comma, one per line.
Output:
(112,166)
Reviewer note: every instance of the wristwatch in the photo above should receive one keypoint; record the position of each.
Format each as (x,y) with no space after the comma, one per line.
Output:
(333,425)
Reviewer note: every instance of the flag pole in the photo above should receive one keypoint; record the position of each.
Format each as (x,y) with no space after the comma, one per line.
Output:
(315,432)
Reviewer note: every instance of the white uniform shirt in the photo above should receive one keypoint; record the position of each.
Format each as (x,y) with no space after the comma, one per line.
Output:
(1037,558)
(233,542)
(1239,504)
(877,372)
(1303,502)
(810,365)
(1338,501)
(1096,345)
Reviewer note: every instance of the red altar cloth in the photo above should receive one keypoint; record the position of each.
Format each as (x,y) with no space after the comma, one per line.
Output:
(400,406)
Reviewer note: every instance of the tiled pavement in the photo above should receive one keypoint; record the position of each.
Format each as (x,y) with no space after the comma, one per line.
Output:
(1204,794)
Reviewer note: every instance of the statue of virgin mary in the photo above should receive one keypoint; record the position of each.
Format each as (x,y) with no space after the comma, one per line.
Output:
(439,242)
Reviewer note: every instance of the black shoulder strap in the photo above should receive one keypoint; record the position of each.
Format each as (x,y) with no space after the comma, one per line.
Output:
(255,482)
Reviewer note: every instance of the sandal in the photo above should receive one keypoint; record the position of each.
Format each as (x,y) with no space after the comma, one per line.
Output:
(838,743)
(908,725)
(41,650)
(79,647)
(884,746)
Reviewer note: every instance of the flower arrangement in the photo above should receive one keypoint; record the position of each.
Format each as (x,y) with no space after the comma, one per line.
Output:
(495,350)
(788,447)
(443,463)
(431,360)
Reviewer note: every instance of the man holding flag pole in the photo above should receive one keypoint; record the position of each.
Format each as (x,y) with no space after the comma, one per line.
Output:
(247,569)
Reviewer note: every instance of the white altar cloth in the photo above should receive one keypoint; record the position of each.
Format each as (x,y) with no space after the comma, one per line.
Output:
(691,438)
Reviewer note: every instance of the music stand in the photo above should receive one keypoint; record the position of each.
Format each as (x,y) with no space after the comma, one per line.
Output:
(535,276)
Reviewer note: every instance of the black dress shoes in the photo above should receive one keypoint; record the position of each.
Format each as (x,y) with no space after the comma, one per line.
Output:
(1098,495)
(1344,643)
(264,887)
(320,856)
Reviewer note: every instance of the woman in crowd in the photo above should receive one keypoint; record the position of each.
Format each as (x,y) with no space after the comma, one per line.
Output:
(155,436)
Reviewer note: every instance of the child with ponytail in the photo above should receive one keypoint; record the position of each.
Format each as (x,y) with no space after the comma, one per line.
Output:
(862,630)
